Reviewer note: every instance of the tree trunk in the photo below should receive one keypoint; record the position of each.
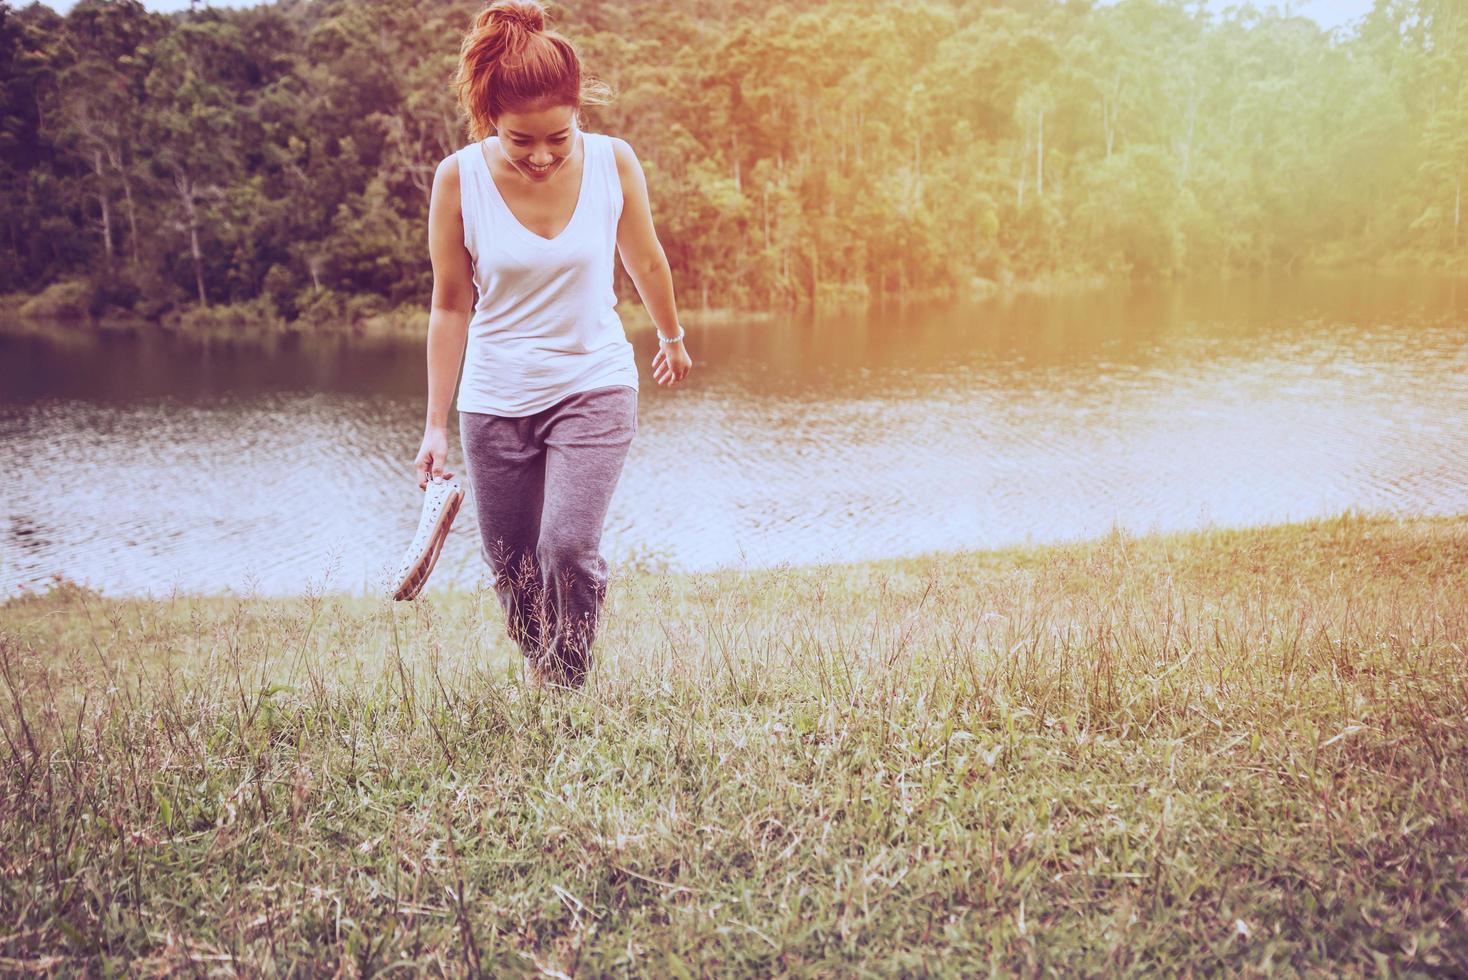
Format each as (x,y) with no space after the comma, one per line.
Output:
(1040,158)
(402,158)
(115,159)
(815,270)
(198,260)
(1110,103)
(738,182)
(102,196)
(767,214)
(132,215)
(1024,170)
(917,171)
(186,196)
(1188,144)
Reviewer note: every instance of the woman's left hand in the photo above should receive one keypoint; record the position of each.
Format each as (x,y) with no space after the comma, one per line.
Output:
(671,364)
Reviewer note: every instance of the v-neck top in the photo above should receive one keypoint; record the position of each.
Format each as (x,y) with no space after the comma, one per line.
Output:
(545,323)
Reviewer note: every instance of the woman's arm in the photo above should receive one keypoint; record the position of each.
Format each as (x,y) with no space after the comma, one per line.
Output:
(448,316)
(646,262)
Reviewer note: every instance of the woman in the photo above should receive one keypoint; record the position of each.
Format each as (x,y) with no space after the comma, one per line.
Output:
(548,402)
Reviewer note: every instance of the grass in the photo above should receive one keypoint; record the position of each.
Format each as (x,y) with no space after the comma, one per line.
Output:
(1239,752)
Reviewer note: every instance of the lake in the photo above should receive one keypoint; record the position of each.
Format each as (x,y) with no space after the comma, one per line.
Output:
(139,464)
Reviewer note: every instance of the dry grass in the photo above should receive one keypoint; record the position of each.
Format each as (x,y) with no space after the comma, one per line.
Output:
(1237,752)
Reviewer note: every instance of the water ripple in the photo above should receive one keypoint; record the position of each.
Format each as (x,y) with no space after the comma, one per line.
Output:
(974,428)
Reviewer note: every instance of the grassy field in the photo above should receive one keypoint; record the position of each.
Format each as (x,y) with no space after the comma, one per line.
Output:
(1239,752)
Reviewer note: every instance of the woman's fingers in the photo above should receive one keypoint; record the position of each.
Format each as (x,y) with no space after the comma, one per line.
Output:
(669,369)
(439,458)
(667,373)
(431,462)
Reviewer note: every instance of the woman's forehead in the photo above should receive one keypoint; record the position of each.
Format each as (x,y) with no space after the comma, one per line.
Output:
(542,122)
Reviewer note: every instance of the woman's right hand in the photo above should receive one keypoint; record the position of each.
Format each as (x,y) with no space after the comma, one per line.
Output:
(432,455)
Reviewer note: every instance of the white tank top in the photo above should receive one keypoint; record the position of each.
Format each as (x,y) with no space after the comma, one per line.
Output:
(545,325)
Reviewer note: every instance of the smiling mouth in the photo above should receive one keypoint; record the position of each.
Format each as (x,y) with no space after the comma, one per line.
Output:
(538,170)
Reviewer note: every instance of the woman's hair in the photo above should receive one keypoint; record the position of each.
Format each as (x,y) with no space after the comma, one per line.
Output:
(510,62)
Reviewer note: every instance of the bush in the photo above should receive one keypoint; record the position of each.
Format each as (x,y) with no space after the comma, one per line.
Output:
(326,310)
(255,316)
(70,298)
(405,320)
(119,290)
(280,286)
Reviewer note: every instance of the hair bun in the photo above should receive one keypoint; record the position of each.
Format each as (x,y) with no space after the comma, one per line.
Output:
(530,16)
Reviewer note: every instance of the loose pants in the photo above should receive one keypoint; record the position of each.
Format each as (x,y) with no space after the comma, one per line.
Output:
(542,484)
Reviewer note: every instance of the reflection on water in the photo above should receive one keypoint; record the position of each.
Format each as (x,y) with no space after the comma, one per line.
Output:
(138,465)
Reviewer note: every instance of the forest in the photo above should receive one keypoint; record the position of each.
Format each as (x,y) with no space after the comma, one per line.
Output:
(274,162)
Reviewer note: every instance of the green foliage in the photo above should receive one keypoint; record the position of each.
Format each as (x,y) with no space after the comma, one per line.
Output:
(807,152)
(64,299)
(235,320)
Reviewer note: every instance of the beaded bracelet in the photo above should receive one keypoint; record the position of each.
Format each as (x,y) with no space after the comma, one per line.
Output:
(665,341)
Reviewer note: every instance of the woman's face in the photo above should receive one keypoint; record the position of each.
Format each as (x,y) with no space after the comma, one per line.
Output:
(538,143)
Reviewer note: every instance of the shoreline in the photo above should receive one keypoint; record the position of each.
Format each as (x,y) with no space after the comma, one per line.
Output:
(1016,556)
(52,312)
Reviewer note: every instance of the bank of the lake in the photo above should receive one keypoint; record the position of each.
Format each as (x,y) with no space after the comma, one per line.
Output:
(60,311)
(64,307)
(254,322)
(67,306)
(1227,751)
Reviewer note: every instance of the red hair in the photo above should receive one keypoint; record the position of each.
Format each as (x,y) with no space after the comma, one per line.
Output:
(510,62)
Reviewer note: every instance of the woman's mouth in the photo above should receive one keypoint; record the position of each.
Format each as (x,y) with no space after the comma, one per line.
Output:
(537,170)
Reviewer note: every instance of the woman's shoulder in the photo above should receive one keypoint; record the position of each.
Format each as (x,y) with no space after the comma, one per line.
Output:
(622,152)
(447,173)
(448,176)
(448,167)
(618,144)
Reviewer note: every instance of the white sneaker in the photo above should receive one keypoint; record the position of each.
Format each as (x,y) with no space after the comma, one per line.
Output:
(441,499)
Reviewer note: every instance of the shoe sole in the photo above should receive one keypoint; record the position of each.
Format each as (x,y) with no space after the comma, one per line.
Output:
(417,576)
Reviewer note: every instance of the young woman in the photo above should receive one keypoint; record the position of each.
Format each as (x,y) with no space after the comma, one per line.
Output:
(528,218)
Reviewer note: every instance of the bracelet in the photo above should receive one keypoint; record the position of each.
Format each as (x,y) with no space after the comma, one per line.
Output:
(665,341)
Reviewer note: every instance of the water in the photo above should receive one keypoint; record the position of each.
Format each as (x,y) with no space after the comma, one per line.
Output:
(139,465)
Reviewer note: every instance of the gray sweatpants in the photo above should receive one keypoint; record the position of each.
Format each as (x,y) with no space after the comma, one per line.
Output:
(542,484)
